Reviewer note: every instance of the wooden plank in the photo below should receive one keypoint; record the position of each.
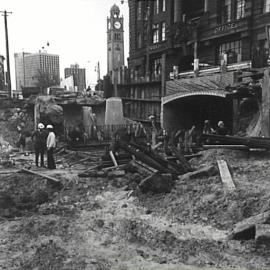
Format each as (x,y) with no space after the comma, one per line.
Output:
(226,146)
(113,159)
(225,175)
(41,175)
(80,161)
(10,171)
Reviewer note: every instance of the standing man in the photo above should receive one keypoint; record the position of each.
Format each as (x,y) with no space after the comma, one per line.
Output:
(51,144)
(39,137)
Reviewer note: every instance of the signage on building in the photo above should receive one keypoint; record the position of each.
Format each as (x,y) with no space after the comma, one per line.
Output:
(225,27)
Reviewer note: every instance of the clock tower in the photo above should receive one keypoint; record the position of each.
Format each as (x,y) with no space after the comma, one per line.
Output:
(115,40)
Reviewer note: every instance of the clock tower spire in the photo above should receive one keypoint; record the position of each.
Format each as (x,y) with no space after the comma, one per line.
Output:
(115,40)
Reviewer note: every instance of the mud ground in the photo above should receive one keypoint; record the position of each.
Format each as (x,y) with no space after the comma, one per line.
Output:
(95,222)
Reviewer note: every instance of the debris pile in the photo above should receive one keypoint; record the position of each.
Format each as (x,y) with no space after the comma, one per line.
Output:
(130,206)
(20,193)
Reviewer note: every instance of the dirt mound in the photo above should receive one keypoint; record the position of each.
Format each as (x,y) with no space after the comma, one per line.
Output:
(11,119)
(205,200)
(48,109)
(21,192)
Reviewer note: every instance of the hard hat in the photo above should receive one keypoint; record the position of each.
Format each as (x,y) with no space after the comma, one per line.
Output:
(40,125)
(220,123)
(49,127)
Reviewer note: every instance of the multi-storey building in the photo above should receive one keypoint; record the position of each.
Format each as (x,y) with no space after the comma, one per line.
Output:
(78,76)
(184,36)
(32,68)
(201,29)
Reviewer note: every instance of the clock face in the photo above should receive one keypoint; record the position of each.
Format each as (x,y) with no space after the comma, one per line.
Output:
(117,25)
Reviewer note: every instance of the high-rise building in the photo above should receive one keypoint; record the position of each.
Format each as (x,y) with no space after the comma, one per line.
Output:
(78,76)
(115,40)
(36,69)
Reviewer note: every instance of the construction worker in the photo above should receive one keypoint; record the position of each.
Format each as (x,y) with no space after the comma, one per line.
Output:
(222,130)
(207,129)
(22,140)
(39,137)
(51,144)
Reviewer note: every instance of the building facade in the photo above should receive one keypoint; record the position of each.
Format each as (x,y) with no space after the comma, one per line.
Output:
(185,30)
(187,37)
(115,40)
(78,75)
(36,70)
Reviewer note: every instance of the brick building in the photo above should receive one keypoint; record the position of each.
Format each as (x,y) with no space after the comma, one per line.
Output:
(203,29)
(183,35)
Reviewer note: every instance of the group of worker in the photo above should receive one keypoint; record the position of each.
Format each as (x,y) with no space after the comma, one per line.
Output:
(221,129)
(44,139)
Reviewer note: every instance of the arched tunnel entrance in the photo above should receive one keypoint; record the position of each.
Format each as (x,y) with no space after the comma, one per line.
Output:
(185,111)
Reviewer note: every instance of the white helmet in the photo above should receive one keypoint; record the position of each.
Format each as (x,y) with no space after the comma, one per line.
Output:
(49,127)
(40,126)
(220,124)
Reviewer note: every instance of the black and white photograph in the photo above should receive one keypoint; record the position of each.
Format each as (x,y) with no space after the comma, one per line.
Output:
(134,134)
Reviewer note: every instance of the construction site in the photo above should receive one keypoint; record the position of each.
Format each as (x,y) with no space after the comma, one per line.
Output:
(121,200)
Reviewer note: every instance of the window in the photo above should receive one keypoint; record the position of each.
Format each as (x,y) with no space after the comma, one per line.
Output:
(266,6)
(156,6)
(233,50)
(226,11)
(139,40)
(157,66)
(139,10)
(155,33)
(163,5)
(117,36)
(163,31)
(240,9)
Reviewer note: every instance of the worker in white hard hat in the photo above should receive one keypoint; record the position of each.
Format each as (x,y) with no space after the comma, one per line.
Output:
(222,130)
(51,144)
(39,137)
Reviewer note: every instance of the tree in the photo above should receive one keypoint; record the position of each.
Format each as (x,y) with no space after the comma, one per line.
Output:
(46,79)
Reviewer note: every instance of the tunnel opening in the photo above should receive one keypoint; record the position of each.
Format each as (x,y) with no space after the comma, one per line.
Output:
(184,112)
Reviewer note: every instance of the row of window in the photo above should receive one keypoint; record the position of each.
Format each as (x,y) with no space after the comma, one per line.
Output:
(158,32)
(227,11)
(159,6)
(117,36)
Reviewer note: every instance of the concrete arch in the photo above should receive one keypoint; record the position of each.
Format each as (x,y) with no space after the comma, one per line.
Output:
(182,110)
(176,96)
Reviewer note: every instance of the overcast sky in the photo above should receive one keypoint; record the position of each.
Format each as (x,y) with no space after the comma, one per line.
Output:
(75,29)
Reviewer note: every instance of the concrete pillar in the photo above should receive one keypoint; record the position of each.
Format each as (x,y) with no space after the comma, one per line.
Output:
(206,5)
(177,11)
(266,105)
(36,115)
(235,115)
(114,112)
(163,75)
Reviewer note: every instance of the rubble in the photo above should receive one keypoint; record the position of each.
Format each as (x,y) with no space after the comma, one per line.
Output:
(147,213)
(246,229)
(262,236)
(157,183)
